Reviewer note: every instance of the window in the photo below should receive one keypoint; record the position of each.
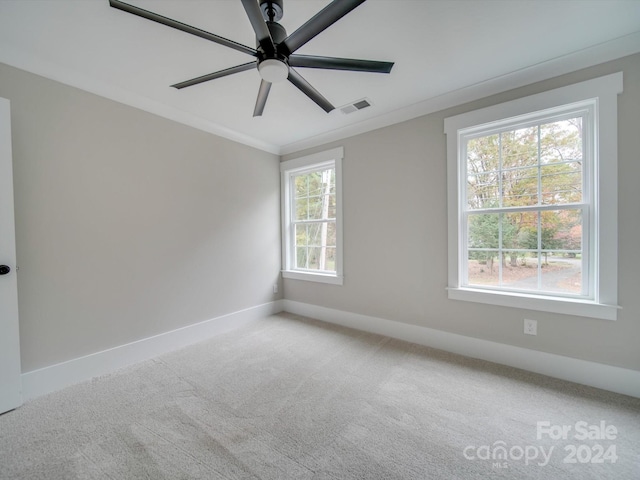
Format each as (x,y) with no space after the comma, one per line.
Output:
(532,201)
(525,204)
(312,217)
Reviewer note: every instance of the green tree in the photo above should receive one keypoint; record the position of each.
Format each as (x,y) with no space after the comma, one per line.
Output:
(539,164)
(315,206)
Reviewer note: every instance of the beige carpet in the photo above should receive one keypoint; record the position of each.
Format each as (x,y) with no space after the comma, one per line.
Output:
(292,398)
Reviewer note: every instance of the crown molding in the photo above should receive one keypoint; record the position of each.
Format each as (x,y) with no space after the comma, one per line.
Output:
(33,64)
(588,57)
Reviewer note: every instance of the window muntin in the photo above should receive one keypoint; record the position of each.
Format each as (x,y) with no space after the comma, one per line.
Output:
(523,206)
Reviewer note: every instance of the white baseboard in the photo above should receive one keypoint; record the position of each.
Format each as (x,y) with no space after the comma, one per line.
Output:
(55,377)
(607,377)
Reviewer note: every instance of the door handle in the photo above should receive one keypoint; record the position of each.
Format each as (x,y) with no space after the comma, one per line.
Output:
(4,269)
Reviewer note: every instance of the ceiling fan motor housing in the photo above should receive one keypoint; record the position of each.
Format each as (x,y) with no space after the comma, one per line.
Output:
(275,62)
(277,31)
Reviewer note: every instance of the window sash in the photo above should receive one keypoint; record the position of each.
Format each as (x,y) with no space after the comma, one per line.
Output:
(293,222)
(585,111)
(502,251)
(323,246)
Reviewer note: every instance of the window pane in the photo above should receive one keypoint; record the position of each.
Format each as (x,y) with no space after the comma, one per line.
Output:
(561,273)
(561,141)
(314,195)
(301,208)
(483,268)
(483,154)
(314,258)
(561,183)
(302,186)
(520,187)
(330,259)
(316,246)
(320,207)
(520,271)
(562,230)
(482,191)
(483,230)
(301,257)
(330,234)
(332,206)
(519,148)
(314,234)
(322,234)
(320,258)
(302,235)
(315,183)
(520,230)
(315,207)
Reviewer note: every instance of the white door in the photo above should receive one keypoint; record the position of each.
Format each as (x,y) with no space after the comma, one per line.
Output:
(10,385)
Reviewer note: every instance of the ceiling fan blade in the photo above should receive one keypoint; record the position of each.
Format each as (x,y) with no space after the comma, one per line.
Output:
(259,26)
(306,88)
(335,63)
(319,22)
(181,26)
(214,75)
(261,101)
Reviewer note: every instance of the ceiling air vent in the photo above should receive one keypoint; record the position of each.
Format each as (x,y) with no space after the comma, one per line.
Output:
(355,106)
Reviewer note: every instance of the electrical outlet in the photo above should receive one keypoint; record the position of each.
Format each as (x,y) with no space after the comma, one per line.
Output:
(530,327)
(275,288)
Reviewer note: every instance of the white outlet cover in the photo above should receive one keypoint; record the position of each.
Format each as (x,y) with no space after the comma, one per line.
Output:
(530,327)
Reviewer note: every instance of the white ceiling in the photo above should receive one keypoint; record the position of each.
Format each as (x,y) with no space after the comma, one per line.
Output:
(445,52)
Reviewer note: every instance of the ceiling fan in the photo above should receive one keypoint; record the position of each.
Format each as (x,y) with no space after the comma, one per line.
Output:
(275,50)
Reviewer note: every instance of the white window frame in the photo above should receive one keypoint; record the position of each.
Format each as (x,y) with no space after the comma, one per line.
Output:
(600,97)
(288,169)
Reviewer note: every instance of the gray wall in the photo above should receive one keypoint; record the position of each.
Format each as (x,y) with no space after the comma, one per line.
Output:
(128,224)
(395,236)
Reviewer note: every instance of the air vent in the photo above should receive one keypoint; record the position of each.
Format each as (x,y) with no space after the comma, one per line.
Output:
(355,106)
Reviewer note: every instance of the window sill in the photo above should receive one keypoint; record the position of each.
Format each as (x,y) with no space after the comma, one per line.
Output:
(566,306)
(313,277)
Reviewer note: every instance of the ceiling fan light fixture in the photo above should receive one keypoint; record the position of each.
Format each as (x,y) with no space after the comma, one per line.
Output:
(275,50)
(272,70)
